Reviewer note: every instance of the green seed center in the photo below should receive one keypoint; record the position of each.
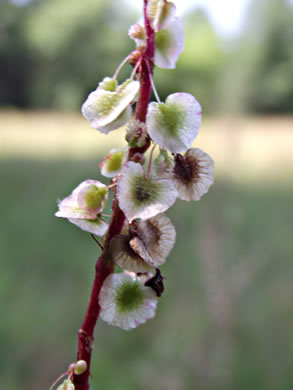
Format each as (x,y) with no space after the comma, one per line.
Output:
(163,40)
(129,297)
(110,100)
(145,190)
(171,117)
(114,162)
(94,197)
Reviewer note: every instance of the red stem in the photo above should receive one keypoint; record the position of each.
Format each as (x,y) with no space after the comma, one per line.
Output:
(145,80)
(104,265)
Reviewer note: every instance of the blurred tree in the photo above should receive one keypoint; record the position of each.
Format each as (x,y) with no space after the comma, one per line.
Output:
(258,76)
(52,53)
(16,61)
(69,49)
(75,44)
(273,78)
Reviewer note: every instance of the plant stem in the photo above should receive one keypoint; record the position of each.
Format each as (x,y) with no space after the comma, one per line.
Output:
(145,77)
(104,265)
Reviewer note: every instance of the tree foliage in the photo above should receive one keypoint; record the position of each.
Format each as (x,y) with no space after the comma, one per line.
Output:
(258,73)
(45,47)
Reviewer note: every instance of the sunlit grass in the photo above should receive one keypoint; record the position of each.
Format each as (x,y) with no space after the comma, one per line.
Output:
(51,135)
(244,148)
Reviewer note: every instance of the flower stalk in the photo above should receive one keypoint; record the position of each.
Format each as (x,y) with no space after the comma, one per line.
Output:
(105,266)
(139,236)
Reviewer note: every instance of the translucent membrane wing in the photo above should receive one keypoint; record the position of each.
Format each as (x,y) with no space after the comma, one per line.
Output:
(193,174)
(158,236)
(175,124)
(161,13)
(163,165)
(142,196)
(126,257)
(120,121)
(125,302)
(83,206)
(66,385)
(169,45)
(148,245)
(97,226)
(69,208)
(103,107)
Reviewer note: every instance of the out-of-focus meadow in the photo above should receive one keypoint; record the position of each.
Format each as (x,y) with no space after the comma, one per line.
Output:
(226,319)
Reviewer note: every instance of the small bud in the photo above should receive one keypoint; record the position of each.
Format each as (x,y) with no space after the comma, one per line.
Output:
(163,165)
(136,31)
(80,367)
(136,134)
(135,56)
(138,158)
(71,367)
(66,385)
(108,84)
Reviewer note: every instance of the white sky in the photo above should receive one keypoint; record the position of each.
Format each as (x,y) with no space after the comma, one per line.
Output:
(226,15)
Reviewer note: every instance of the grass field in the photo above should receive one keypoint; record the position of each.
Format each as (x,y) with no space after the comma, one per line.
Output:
(243,148)
(226,320)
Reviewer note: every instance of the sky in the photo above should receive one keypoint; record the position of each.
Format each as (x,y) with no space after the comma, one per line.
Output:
(226,15)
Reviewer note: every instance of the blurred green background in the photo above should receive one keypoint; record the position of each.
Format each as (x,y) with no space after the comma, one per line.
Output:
(226,320)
